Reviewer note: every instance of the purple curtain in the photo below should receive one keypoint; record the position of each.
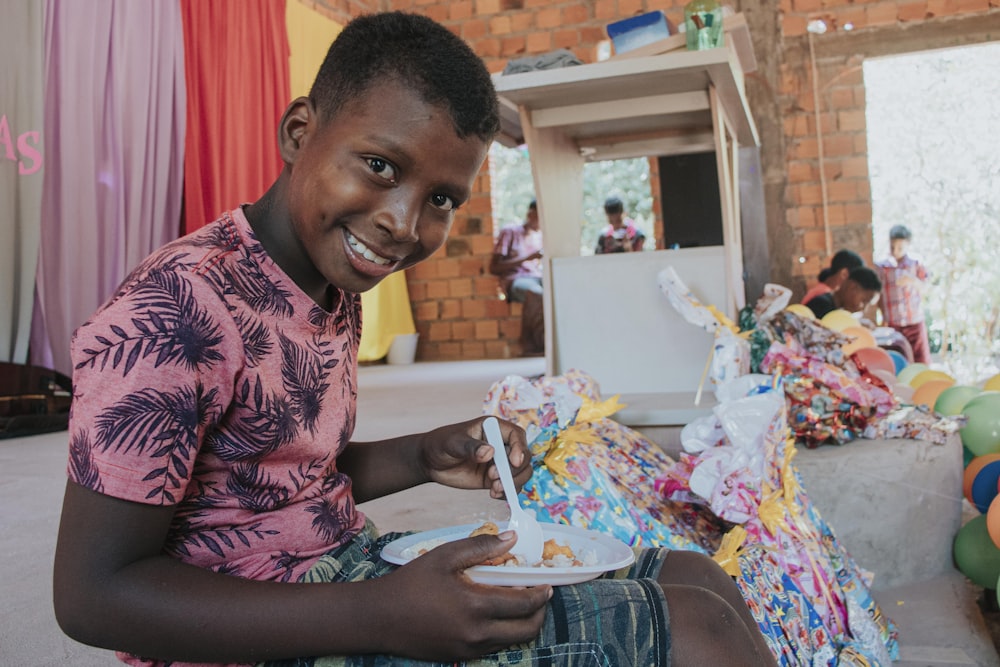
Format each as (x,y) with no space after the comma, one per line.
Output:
(21,50)
(114,141)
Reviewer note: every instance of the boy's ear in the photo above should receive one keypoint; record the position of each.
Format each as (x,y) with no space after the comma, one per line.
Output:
(297,123)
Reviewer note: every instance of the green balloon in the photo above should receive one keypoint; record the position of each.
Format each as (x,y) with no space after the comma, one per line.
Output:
(967,457)
(909,372)
(952,400)
(975,554)
(981,433)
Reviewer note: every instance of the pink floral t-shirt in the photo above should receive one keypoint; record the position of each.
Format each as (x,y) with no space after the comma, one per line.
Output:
(212,383)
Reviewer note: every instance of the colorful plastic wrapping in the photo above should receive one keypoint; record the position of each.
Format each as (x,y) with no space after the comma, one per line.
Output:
(811,600)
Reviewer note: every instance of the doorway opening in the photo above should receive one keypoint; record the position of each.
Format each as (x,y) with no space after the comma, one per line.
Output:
(934,165)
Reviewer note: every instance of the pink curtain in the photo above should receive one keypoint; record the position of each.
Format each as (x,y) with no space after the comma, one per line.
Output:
(114,130)
(236,55)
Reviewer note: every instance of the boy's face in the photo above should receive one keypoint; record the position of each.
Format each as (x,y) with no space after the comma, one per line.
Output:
(616,219)
(373,189)
(854,298)
(898,248)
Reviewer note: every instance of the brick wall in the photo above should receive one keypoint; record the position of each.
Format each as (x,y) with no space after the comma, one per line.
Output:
(455,303)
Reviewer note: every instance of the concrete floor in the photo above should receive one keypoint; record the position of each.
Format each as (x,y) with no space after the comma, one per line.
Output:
(939,620)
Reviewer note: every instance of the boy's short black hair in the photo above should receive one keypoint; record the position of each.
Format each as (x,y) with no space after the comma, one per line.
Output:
(613,205)
(900,232)
(846,259)
(866,278)
(533,205)
(418,52)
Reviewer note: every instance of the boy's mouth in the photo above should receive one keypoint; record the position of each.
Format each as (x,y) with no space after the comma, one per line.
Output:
(366,252)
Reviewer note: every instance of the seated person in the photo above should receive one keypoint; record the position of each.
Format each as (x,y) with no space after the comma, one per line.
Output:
(861,289)
(517,262)
(832,277)
(621,234)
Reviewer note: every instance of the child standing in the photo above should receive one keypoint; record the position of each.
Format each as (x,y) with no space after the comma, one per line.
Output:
(210,514)
(904,280)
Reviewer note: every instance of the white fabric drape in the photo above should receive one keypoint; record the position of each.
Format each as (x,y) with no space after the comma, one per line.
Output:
(21,55)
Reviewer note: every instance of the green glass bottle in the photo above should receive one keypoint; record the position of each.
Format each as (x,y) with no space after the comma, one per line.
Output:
(703,24)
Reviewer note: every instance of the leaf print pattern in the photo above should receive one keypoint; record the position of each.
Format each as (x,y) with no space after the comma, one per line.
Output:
(81,462)
(257,342)
(213,384)
(170,323)
(303,374)
(166,423)
(254,490)
(266,423)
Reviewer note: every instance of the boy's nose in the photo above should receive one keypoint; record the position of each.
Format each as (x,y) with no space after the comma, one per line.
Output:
(399,220)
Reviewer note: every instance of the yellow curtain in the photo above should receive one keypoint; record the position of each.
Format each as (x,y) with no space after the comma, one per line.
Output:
(387,307)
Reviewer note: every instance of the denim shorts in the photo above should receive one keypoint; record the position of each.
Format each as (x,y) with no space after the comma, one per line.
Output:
(616,620)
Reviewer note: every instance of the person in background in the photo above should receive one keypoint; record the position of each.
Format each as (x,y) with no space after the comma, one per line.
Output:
(517,261)
(211,511)
(860,290)
(904,281)
(621,234)
(832,277)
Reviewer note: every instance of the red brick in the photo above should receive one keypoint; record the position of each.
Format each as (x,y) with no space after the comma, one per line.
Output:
(522,22)
(439,331)
(842,191)
(487,7)
(473,349)
(858,213)
(547,19)
(417,290)
(460,10)
(473,30)
(487,330)
(427,310)
(436,289)
(460,287)
(575,14)
(498,349)
(449,351)
(539,42)
(606,10)
(502,309)
(884,13)
(451,309)
(800,172)
(855,167)
(512,46)
(838,145)
(439,13)
(564,39)
(488,48)
(474,309)
(500,25)
(448,268)
(424,271)
(628,8)
(463,330)
(912,11)
(487,286)
(793,26)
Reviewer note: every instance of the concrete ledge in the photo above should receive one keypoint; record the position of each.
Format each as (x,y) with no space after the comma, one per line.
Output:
(895,505)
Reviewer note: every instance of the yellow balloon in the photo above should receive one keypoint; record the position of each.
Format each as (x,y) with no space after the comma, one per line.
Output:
(801,311)
(993,384)
(927,376)
(862,338)
(838,320)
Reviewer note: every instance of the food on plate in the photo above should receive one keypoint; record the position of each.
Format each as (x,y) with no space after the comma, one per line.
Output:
(554,554)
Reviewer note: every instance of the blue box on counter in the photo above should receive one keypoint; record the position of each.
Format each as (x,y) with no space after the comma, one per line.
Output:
(636,31)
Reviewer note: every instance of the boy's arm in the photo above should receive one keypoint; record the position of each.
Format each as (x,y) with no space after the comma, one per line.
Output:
(114,588)
(455,455)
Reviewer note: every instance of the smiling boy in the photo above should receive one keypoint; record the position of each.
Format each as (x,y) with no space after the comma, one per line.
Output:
(210,514)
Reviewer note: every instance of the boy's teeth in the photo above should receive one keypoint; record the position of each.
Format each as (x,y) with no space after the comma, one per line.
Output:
(365,251)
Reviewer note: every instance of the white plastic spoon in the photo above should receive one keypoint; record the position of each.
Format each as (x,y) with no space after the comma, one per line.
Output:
(522,522)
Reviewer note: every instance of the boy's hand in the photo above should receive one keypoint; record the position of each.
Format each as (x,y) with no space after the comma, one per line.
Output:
(438,613)
(459,456)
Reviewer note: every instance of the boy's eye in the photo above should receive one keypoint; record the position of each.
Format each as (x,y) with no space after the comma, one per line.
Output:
(382,168)
(443,202)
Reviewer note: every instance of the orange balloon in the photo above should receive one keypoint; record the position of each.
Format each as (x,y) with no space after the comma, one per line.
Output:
(862,338)
(929,376)
(875,359)
(975,465)
(927,393)
(993,521)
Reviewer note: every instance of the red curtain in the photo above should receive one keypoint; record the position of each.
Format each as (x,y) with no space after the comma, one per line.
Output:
(236,62)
